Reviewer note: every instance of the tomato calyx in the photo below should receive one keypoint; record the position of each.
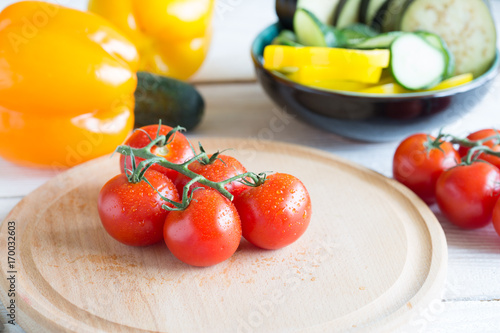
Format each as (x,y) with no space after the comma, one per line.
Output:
(205,160)
(136,174)
(257,180)
(436,143)
(165,139)
(149,159)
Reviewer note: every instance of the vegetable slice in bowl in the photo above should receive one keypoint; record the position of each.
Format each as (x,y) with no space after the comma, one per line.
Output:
(416,64)
(312,32)
(466,25)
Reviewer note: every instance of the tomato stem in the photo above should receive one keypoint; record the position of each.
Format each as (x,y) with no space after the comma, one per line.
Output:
(137,172)
(464,142)
(476,147)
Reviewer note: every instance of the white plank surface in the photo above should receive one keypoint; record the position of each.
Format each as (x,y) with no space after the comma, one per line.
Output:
(471,298)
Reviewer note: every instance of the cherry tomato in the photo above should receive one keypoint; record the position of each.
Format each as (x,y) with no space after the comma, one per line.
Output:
(496,217)
(418,168)
(276,213)
(466,194)
(178,151)
(206,233)
(223,168)
(132,213)
(493,144)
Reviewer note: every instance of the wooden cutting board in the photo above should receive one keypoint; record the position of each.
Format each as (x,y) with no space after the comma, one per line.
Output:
(373,257)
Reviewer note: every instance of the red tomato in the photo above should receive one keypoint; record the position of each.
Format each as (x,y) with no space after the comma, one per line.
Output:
(418,169)
(496,217)
(132,213)
(223,168)
(276,213)
(178,151)
(466,194)
(206,233)
(493,144)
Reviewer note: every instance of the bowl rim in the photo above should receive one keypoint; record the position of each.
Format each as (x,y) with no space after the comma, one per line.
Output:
(475,83)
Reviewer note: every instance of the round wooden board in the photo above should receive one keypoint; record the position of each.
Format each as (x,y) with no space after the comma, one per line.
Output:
(373,256)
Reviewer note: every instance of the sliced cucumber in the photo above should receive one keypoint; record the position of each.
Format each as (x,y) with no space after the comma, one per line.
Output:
(347,13)
(323,9)
(382,41)
(440,44)
(466,26)
(369,9)
(311,31)
(416,64)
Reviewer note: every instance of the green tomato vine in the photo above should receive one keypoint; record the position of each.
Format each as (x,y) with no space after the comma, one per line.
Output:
(136,174)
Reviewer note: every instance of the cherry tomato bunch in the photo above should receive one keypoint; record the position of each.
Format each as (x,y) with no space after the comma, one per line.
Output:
(167,192)
(461,175)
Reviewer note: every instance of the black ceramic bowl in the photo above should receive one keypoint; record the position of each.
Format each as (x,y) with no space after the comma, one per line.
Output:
(365,117)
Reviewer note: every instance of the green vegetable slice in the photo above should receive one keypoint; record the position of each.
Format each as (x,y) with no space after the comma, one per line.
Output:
(416,64)
(311,31)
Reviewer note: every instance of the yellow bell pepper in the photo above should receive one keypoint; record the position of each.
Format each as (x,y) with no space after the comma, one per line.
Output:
(391,88)
(350,86)
(386,89)
(454,82)
(67,82)
(337,85)
(278,56)
(309,74)
(172,36)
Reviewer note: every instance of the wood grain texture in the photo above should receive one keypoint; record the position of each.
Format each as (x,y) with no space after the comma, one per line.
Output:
(355,267)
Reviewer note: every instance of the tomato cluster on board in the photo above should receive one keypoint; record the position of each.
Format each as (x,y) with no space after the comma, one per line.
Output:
(167,192)
(461,175)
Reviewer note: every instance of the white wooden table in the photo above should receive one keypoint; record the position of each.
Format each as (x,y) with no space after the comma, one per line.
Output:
(238,107)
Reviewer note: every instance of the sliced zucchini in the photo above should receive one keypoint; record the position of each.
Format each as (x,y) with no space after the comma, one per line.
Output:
(369,9)
(361,29)
(440,44)
(382,41)
(285,9)
(389,16)
(286,37)
(357,33)
(416,64)
(466,26)
(347,13)
(323,9)
(379,17)
(311,31)
(396,10)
